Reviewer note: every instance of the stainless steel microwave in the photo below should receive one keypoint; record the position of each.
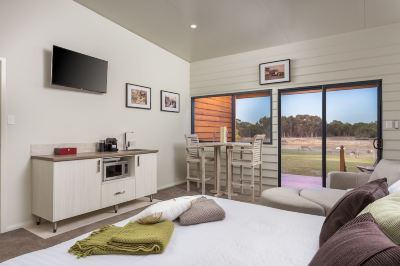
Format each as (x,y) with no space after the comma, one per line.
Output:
(115,168)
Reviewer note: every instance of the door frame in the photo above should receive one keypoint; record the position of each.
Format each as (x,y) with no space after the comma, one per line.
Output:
(3,127)
(323,89)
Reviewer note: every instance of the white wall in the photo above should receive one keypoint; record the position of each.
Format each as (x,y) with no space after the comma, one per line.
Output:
(2,136)
(357,56)
(46,115)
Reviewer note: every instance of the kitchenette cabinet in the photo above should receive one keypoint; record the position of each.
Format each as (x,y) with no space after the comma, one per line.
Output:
(146,174)
(67,186)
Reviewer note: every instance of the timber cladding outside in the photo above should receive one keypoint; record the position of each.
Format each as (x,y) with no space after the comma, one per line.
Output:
(210,114)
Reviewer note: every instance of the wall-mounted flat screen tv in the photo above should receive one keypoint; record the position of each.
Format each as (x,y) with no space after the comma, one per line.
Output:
(79,71)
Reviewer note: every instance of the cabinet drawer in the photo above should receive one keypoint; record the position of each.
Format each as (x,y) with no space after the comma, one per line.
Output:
(117,191)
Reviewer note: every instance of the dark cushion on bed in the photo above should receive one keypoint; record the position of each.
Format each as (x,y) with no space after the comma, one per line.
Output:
(350,205)
(203,210)
(359,242)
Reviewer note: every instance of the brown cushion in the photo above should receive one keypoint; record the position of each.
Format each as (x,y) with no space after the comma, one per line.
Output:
(203,210)
(359,242)
(350,205)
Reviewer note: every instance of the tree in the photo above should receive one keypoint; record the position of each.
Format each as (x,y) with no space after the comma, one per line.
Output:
(305,126)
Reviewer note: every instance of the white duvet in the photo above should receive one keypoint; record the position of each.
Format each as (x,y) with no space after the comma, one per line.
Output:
(249,235)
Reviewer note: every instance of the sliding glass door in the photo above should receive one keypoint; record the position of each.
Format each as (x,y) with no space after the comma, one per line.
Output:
(328,128)
(301,138)
(352,127)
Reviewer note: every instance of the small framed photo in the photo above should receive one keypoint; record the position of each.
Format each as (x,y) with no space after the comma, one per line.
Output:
(138,96)
(275,72)
(170,101)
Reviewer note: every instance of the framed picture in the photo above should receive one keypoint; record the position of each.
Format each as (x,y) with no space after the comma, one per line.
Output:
(138,96)
(170,101)
(275,72)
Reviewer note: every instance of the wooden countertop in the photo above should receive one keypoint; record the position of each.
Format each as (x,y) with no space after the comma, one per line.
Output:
(92,155)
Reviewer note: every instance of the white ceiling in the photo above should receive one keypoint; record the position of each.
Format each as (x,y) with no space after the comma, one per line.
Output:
(233,26)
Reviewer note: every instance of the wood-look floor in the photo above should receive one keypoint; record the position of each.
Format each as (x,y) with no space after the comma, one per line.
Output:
(21,241)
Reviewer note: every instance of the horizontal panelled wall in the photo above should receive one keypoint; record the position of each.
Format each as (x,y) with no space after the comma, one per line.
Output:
(358,56)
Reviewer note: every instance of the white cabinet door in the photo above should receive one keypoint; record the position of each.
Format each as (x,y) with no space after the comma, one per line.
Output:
(146,174)
(77,187)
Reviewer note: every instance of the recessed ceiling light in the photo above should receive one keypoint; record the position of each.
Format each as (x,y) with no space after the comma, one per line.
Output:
(193,26)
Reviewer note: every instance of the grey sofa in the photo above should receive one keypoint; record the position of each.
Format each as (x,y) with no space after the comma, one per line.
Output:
(320,201)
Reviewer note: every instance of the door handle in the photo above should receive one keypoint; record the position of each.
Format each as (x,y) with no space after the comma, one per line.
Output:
(119,193)
(374,143)
(138,161)
(377,144)
(98,166)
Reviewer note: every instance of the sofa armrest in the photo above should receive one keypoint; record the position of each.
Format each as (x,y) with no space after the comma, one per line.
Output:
(346,180)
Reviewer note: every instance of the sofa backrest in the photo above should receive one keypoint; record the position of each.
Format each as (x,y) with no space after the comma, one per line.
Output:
(387,168)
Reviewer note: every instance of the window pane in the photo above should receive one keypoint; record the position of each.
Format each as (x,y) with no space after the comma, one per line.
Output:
(301,138)
(352,116)
(211,113)
(253,116)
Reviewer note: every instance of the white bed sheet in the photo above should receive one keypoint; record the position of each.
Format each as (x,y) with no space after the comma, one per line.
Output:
(249,235)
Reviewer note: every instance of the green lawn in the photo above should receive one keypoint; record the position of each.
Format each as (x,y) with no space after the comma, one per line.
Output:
(309,162)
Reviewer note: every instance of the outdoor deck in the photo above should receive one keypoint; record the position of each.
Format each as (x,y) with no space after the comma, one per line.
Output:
(300,181)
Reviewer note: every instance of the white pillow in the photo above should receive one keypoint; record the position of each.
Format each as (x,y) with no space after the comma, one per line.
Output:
(164,210)
(394,187)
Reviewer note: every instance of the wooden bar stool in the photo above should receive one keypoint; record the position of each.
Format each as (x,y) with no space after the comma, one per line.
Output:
(195,155)
(255,154)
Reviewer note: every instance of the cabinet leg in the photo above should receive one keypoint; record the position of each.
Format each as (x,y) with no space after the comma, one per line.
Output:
(151,198)
(38,220)
(115,208)
(54,227)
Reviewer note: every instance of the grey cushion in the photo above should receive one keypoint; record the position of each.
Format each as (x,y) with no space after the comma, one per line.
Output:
(203,210)
(289,199)
(389,169)
(325,197)
(346,180)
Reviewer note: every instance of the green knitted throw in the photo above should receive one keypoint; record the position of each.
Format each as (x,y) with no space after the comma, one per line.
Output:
(132,239)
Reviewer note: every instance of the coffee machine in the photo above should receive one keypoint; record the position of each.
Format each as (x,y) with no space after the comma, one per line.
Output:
(111,145)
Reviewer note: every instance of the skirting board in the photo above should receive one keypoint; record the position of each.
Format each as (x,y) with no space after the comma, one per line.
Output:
(178,182)
(13,227)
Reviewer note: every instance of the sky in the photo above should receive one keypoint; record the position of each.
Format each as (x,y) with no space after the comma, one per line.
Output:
(351,106)
(252,109)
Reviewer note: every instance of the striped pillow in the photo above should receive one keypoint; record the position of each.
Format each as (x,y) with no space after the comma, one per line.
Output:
(359,242)
(386,212)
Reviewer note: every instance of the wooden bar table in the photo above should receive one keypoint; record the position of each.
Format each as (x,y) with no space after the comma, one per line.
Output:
(217,156)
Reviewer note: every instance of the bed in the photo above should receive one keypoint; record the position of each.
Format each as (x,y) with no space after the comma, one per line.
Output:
(250,235)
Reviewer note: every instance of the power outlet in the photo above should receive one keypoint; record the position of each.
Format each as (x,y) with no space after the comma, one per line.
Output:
(388,124)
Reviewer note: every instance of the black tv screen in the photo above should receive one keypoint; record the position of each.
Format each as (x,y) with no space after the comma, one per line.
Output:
(75,70)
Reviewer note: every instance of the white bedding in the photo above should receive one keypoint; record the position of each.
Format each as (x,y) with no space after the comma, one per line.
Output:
(249,235)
